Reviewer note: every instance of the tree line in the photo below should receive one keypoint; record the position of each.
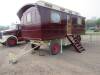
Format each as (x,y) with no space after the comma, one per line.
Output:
(93,23)
(3,27)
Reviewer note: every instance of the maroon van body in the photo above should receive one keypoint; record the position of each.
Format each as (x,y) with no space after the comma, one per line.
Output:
(45,29)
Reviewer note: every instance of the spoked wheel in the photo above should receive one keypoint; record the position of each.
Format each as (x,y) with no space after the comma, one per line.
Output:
(55,47)
(11,42)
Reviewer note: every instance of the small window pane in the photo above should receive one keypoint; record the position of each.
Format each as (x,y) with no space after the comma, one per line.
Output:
(29,18)
(83,21)
(79,21)
(55,17)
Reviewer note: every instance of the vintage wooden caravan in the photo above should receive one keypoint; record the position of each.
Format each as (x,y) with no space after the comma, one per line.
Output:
(44,22)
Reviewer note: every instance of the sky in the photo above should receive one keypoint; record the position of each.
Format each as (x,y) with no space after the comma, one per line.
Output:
(9,8)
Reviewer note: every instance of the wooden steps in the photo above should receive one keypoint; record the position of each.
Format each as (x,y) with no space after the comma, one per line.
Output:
(75,43)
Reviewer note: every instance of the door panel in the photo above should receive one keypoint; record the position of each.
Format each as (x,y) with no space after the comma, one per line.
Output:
(69,25)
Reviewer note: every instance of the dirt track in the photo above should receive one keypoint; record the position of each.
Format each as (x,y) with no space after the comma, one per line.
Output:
(68,63)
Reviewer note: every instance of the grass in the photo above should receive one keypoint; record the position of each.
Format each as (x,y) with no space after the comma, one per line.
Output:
(91,32)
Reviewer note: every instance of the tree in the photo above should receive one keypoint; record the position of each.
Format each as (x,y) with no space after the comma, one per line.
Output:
(93,23)
(90,23)
(98,22)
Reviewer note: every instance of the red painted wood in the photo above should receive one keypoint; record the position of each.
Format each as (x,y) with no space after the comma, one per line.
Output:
(46,30)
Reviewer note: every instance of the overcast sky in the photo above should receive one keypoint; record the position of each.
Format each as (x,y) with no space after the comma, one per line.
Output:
(87,8)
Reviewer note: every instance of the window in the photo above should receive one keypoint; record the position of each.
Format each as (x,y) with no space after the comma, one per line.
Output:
(79,21)
(74,20)
(13,27)
(83,21)
(55,17)
(35,17)
(29,18)
(63,18)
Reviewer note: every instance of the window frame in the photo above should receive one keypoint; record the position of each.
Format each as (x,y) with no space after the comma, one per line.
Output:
(52,19)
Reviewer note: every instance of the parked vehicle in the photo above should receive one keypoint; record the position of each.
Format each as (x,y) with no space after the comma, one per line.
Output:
(11,36)
(43,22)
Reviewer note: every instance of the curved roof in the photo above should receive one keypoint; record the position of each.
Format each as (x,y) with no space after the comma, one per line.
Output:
(45,4)
(23,9)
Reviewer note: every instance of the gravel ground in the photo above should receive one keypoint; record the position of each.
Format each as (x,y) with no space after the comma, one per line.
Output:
(68,63)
